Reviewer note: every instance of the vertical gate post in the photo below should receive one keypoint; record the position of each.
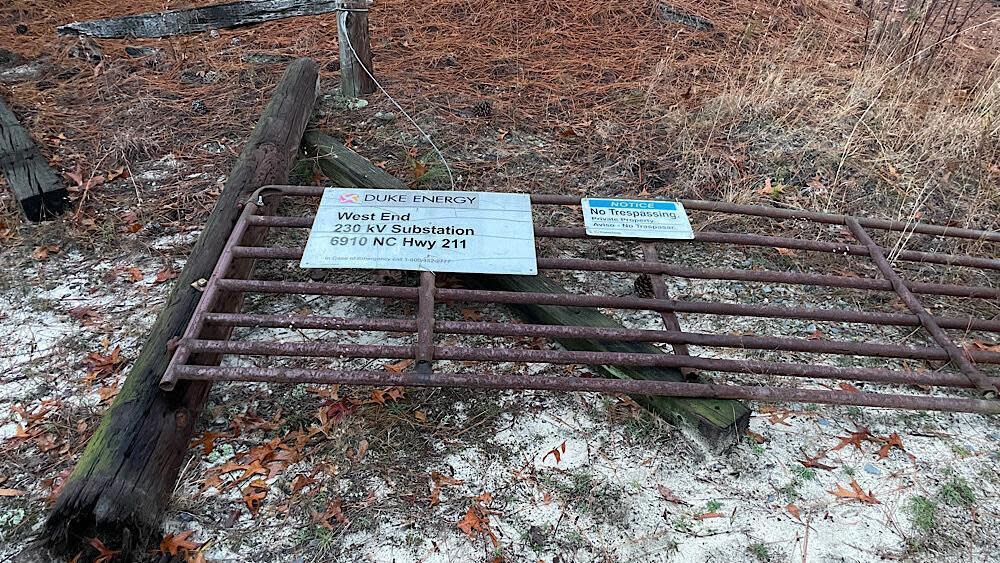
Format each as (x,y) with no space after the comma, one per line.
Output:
(355,50)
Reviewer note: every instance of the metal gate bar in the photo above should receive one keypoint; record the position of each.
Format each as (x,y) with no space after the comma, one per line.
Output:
(627,266)
(743,239)
(913,304)
(424,326)
(610,302)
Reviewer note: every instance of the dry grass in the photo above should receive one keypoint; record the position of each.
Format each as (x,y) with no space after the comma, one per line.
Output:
(623,100)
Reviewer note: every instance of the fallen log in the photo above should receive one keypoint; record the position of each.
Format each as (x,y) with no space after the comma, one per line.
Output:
(120,485)
(675,15)
(196,20)
(36,186)
(720,423)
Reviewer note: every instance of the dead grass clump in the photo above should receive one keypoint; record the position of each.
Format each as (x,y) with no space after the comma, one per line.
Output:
(914,32)
(874,141)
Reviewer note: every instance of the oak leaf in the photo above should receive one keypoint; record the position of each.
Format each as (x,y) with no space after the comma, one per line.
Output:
(164,275)
(861,434)
(398,367)
(207,441)
(893,441)
(42,252)
(472,315)
(178,544)
(856,493)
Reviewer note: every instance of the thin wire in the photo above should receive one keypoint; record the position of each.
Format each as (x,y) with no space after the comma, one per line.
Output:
(347,40)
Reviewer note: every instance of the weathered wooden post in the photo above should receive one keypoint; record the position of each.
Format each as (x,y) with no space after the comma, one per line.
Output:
(355,50)
(124,477)
(36,186)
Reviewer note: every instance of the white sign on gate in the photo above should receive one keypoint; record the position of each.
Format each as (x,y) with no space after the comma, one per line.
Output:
(633,218)
(438,231)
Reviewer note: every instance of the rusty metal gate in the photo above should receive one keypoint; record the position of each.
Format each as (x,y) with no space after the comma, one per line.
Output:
(955,381)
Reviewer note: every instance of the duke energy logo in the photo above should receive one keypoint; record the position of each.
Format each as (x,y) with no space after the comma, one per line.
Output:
(350,198)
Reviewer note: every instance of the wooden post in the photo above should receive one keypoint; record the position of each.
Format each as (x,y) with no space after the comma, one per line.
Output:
(720,423)
(197,20)
(352,31)
(121,483)
(36,186)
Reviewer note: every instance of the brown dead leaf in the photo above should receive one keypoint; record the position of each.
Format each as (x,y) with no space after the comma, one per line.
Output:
(419,169)
(356,455)
(42,252)
(861,434)
(982,345)
(335,510)
(135,274)
(472,315)
(471,522)
(669,495)
(770,189)
(254,498)
(421,416)
(300,482)
(11,493)
(120,172)
(107,392)
(814,462)
(439,480)
(786,252)
(398,367)
(556,451)
(104,555)
(207,441)
(100,365)
(178,544)
(779,417)
(856,493)
(444,479)
(477,521)
(756,437)
(82,313)
(893,441)
(794,511)
(164,275)
(848,387)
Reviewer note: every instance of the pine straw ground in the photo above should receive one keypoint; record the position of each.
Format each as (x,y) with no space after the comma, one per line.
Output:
(569,96)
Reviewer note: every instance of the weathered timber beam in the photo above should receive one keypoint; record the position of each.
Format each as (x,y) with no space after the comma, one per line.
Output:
(196,20)
(675,15)
(36,186)
(720,423)
(120,485)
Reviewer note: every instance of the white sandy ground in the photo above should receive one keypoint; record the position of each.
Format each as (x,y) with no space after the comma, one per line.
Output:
(601,501)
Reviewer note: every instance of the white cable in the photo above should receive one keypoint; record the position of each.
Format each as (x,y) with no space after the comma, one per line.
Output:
(451,178)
